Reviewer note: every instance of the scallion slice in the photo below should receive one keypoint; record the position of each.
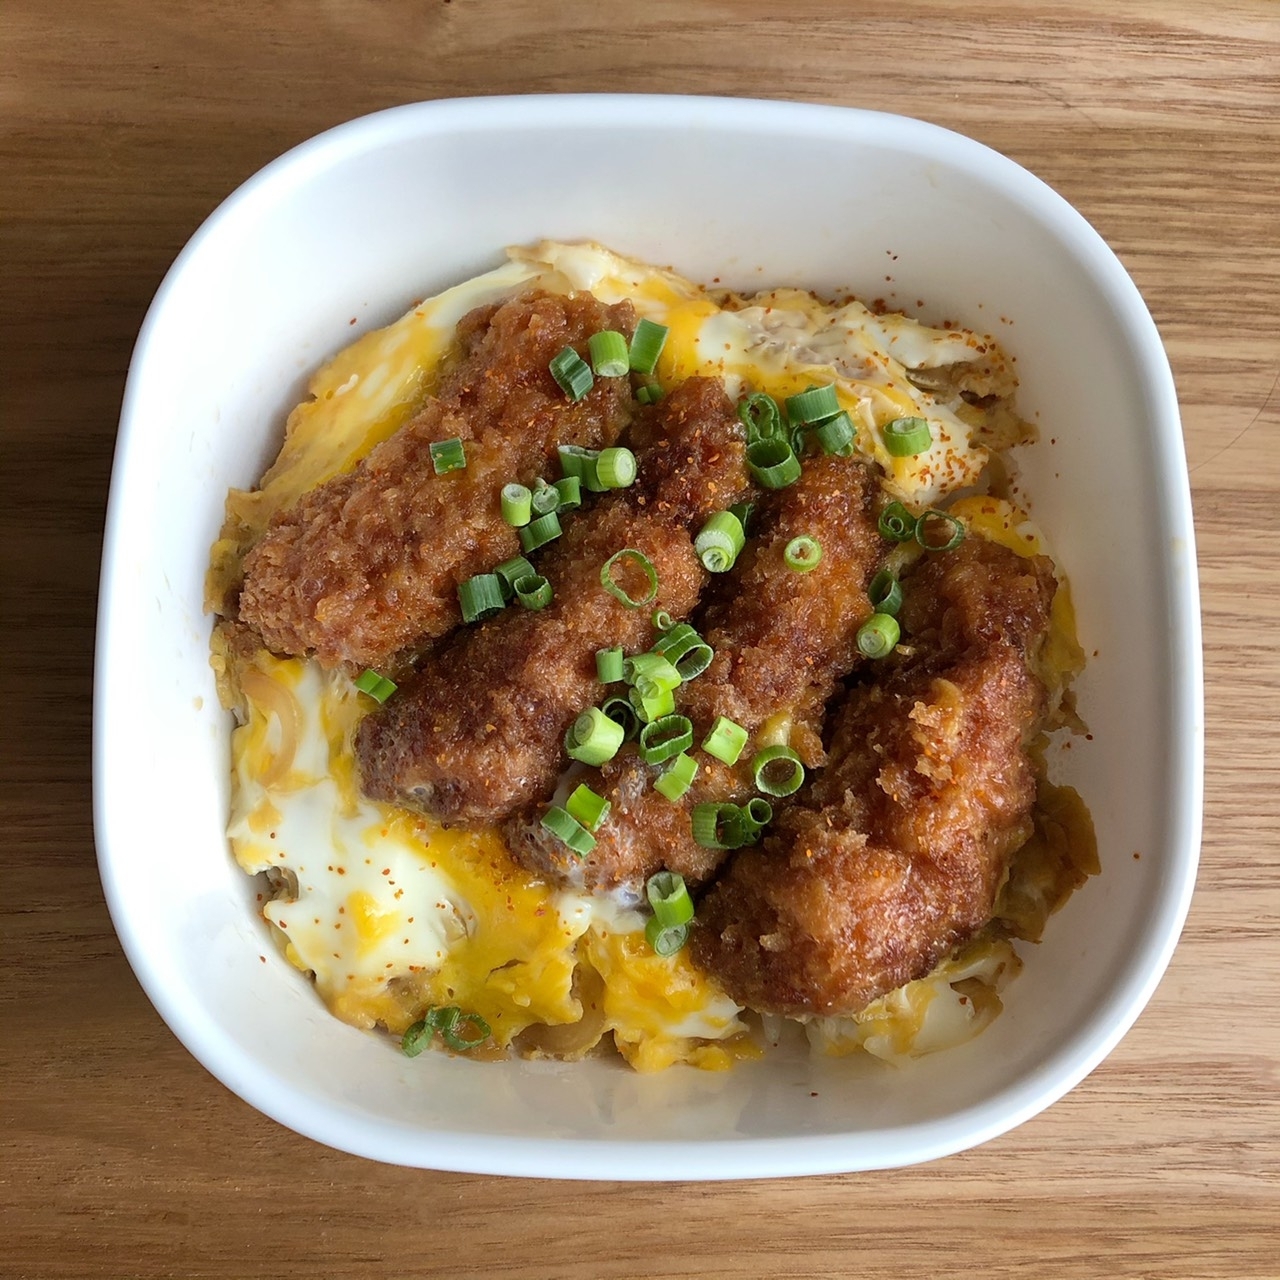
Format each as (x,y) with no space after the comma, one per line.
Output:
(677,777)
(453,1033)
(777,771)
(760,414)
(648,393)
(609,355)
(417,1038)
(510,572)
(620,560)
(885,593)
(654,668)
(836,435)
(620,710)
(927,531)
(719,542)
(896,523)
(652,702)
(544,499)
(685,649)
(906,437)
(773,462)
(533,591)
(574,459)
(448,455)
(713,822)
(814,404)
(665,942)
(517,505)
(609,665)
(616,468)
(669,897)
(878,635)
(593,737)
(379,688)
(662,621)
(537,533)
(664,738)
(480,597)
(646,345)
(566,828)
(802,553)
(725,741)
(758,812)
(587,807)
(572,373)
(570,491)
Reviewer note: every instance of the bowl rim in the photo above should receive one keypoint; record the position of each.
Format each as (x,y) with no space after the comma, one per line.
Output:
(729,1157)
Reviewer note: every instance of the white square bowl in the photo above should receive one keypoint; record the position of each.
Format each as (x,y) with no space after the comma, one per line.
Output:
(368,217)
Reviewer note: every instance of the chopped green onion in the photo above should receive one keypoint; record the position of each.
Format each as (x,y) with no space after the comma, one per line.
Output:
(773,462)
(609,665)
(802,553)
(566,828)
(777,771)
(453,1036)
(743,511)
(906,437)
(719,542)
(646,345)
(510,572)
(897,523)
(885,593)
(642,561)
(717,825)
(417,1038)
(570,491)
(574,459)
(609,355)
(652,702)
(480,597)
(669,897)
(677,777)
(572,372)
(878,635)
(379,688)
(814,404)
(537,533)
(662,621)
(652,667)
(648,393)
(760,414)
(836,435)
(758,812)
(725,741)
(544,499)
(665,942)
(616,468)
(587,807)
(517,505)
(593,737)
(928,523)
(686,650)
(662,739)
(448,455)
(533,591)
(620,710)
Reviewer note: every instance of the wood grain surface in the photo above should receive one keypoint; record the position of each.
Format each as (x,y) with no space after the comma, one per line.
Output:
(122,124)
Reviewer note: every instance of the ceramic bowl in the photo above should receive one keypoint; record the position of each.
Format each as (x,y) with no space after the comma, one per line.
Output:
(364,219)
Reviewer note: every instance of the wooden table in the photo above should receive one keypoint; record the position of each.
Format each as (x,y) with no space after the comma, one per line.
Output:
(122,124)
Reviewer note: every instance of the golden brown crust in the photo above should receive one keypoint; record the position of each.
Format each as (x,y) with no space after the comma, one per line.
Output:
(478,732)
(782,641)
(899,848)
(367,565)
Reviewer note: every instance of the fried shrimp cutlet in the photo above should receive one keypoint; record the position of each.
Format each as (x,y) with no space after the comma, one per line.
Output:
(364,568)
(897,852)
(782,641)
(478,732)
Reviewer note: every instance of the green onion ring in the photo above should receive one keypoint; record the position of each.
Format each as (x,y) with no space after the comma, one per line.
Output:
(661,739)
(760,414)
(567,829)
(646,345)
(907,437)
(665,942)
(448,455)
(533,591)
(587,807)
(773,463)
(593,737)
(885,593)
(930,518)
(896,523)
(877,636)
(572,373)
(669,897)
(609,354)
(777,771)
(645,565)
(813,405)
(802,553)
(719,542)
(677,777)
